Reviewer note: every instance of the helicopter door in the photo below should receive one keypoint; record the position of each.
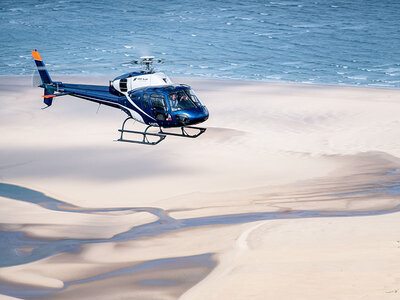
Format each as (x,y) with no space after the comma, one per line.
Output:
(145,103)
(159,107)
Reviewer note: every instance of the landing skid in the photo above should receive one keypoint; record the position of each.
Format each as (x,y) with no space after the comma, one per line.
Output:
(157,137)
(184,133)
(145,141)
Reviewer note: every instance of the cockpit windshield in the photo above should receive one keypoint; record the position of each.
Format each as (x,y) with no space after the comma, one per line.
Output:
(183,99)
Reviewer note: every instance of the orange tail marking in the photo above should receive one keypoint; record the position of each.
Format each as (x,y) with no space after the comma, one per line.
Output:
(36,55)
(48,96)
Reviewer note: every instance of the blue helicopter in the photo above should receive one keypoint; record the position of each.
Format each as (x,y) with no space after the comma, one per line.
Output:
(147,96)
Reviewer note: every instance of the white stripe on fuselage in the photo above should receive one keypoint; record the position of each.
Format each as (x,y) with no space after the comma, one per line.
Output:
(138,108)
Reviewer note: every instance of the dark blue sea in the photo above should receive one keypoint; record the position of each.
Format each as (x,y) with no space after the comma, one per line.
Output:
(339,42)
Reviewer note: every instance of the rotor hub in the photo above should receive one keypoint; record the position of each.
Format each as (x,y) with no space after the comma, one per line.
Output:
(147,61)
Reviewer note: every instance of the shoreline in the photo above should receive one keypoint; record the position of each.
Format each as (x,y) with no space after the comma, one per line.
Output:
(96,77)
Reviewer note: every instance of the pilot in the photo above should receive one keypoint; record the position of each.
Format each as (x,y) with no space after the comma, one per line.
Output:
(174,101)
(181,96)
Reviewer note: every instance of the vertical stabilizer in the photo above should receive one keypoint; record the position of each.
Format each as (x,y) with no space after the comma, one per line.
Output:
(44,75)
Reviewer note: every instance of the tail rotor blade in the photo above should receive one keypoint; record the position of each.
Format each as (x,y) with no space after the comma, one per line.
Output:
(36,81)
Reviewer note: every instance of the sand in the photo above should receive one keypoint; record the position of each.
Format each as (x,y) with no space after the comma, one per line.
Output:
(292,193)
(347,258)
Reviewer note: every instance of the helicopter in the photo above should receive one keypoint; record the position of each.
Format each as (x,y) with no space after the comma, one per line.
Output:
(146,96)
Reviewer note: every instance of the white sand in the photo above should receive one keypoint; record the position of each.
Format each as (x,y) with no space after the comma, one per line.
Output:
(39,222)
(268,147)
(330,258)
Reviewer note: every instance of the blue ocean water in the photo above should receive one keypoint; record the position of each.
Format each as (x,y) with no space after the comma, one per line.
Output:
(334,42)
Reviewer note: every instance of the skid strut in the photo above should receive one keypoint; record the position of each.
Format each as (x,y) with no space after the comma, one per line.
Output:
(158,137)
(184,133)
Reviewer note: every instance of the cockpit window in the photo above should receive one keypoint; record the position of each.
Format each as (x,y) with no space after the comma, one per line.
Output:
(145,101)
(180,100)
(193,96)
(157,101)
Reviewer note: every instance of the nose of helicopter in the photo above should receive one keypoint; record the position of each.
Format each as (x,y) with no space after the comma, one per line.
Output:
(201,116)
(193,116)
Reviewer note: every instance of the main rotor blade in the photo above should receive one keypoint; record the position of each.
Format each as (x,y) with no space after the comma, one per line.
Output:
(216,59)
(225,59)
(132,62)
(81,67)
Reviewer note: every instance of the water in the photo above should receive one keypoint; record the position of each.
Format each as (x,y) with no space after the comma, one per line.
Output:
(333,42)
(169,264)
(16,248)
(11,242)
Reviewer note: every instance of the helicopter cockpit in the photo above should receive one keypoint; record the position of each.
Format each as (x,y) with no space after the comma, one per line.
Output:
(185,106)
(183,99)
(171,105)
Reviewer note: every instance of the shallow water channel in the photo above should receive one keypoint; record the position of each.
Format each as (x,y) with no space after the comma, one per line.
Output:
(11,242)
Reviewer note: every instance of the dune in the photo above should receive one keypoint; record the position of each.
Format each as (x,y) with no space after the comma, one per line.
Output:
(292,192)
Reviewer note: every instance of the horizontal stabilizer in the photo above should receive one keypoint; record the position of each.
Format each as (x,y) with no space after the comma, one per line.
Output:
(48,97)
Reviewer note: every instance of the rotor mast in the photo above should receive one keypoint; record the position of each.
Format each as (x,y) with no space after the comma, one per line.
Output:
(147,62)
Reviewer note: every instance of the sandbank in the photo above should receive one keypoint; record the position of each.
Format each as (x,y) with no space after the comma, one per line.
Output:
(292,192)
